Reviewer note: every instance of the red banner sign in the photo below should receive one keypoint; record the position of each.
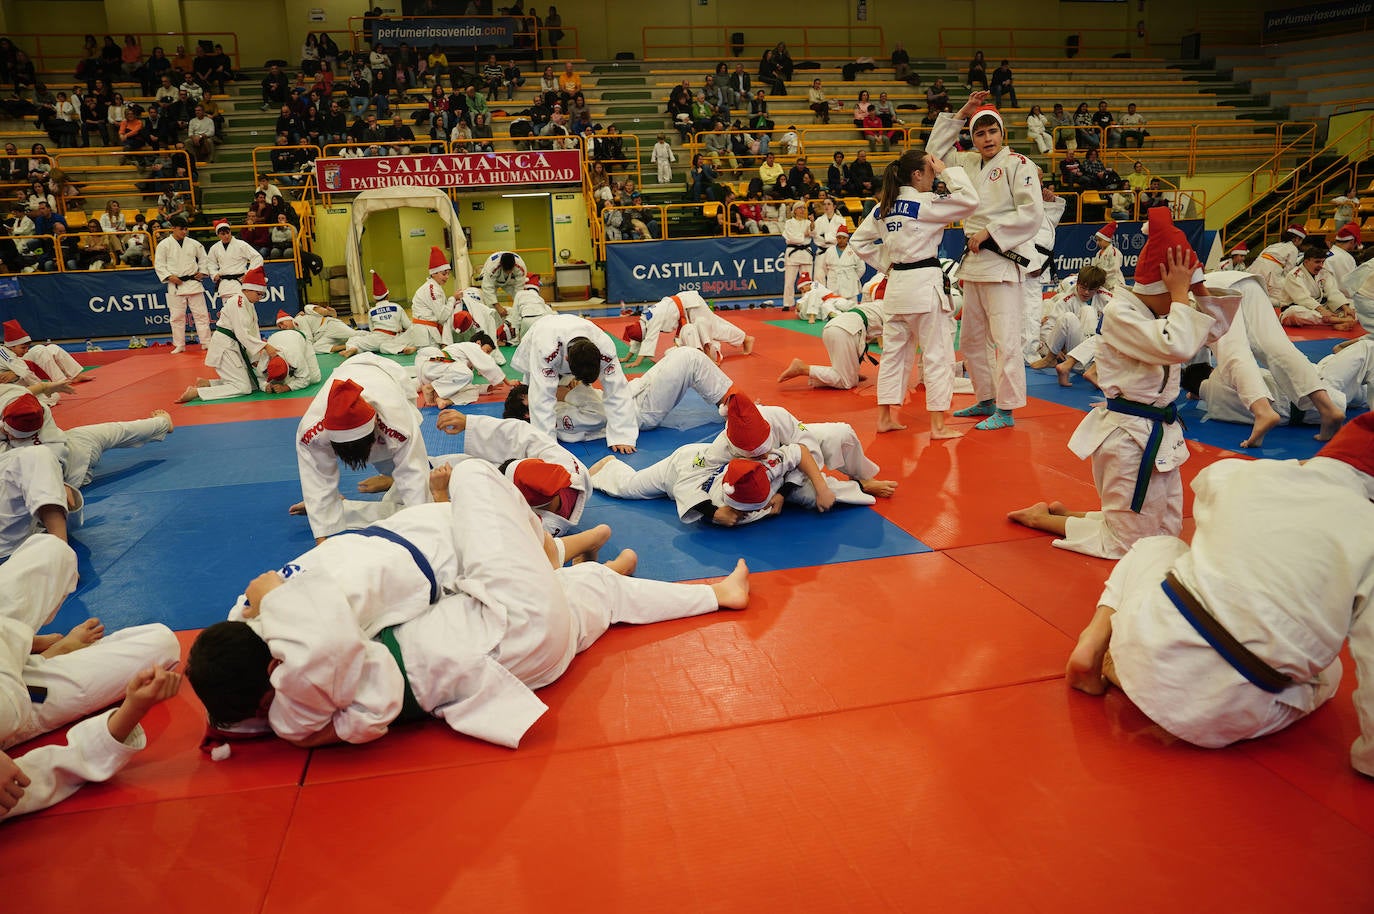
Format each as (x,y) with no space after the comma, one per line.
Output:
(464,169)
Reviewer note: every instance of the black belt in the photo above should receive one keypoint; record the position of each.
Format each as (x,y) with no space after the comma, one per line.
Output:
(234,276)
(927,264)
(1240,657)
(993,247)
(863,337)
(1044,250)
(191,278)
(1159,416)
(799,247)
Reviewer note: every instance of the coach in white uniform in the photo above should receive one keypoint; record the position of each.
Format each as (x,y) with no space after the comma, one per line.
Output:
(180,262)
(229,259)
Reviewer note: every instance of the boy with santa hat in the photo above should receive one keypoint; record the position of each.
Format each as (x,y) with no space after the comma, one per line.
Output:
(527,307)
(236,346)
(431,308)
(846,337)
(294,367)
(388,326)
(30,363)
(1108,257)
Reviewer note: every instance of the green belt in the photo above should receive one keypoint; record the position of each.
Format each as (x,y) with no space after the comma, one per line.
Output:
(247,362)
(410,708)
(863,343)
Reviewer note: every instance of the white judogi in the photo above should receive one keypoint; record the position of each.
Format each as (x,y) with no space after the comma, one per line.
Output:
(388,330)
(668,316)
(1273,264)
(1137,358)
(527,307)
(1340,264)
(431,315)
(484,316)
(30,478)
(296,350)
(183,258)
(705,329)
(1011,209)
(56,772)
(842,271)
(846,337)
(323,332)
(1347,376)
(581,415)
(506,623)
(39,694)
(42,359)
(1033,287)
(1068,320)
(1294,613)
(796,234)
(233,259)
(398,448)
(915,307)
(1304,295)
(820,302)
(450,371)
(499,440)
(542,358)
(493,277)
(235,350)
(1109,261)
(823,234)
(691,477)
(663,158)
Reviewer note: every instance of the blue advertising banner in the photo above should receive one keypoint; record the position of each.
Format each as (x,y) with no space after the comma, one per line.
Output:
(464,31)
(1074,246)
(716,267)
(75,306)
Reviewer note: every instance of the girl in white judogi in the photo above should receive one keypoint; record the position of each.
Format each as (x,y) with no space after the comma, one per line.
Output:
(1108,257)
(824,232)
(431,308)
(451,611)
(843,268)
(528,306)
(663,158)
(581,412)
(446,375)
(1010,212)
(846,337)
(294,367)
(237,346)
(901,238)
(797,232)
(388,326)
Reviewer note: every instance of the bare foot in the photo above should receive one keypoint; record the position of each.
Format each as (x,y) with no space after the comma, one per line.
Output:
(1058,509)
(428,396)
(596,467)
(1046,362)
(442,403)
(1090,375)
(1265,419)
(373,484)
(84,635)
(1331,424)
(297,510)
(879,488)
(80,379)
(1084,671)
(944,431)
(41,643)
(1032,516)
(887,420)
(625,563)
(204,382)
(586,546)
(188,395)
(1065,372)
(438,482)
(732,592)
(796,369)
(162,413)
(748,345)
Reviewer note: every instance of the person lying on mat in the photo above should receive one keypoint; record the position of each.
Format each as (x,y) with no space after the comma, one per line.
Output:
(454,610)
(236,347)
(1217,647)
(294,367)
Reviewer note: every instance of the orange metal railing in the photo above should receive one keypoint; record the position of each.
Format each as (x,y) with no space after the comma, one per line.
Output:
(714,42)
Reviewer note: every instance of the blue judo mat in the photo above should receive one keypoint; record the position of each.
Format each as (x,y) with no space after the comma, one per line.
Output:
(175,530)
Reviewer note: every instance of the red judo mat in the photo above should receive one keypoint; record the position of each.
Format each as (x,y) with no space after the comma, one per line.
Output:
(890,734)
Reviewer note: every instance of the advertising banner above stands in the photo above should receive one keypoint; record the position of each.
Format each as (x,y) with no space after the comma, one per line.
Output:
(77,306)
(1306,17)
(449,32)
(462,169)
(752,266)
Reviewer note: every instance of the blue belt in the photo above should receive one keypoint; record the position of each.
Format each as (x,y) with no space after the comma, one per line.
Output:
(1259,673)
(1159,416)
(410,707)
(421,562)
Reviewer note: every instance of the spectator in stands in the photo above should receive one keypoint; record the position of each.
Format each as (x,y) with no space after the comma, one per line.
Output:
(577,107)
(512,78)
(1105,121)
(165,91)
(817,102)
(201,68)
(861,178)
(24,76)
(137,243)
(1139,178)
(94,250)
(1133,127)
(1071,171)
(65,125)
(333,125)
(310,54)
(275,88)
(289,123)
(796,175)
(436,65)
(93,121)
(861,106)
(286,166)
(1037,128)
(717,85)
(267,188)
(133,133)
(702,176)
(1003,84)
(256,234)
(157,67)
(383,84)
(181,61)
(901,62)
(569,82)
(377,57)
(770,75)
(113,219)
(1096,174)
(282,238)
(39,194)
(977,72)
(130,56)
(703,113)
(329,50)
(493,77)
(460,137)
(837,175)
(475,103)
(770,170)
(1063,138)
(46,222)
(937,96)
(110,57)
(877,137)
(200,135)
(482,137)
(751,214)
(1153,196)
(114,113)
(885,110)
(359,93)
(406,66)
(1083,120)
(373,133)
(400,136)
(741,86)
(783,58)
(553,30)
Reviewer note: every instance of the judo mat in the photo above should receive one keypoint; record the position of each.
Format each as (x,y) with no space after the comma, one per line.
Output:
(885,728)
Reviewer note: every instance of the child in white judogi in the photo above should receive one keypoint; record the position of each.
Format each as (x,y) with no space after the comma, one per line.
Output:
(237,345)
(1216,643)
(663,158)
(44,362)
(503,270)
(294,367)
(1277,260)
(388,326)
(824,233)
(488,321)
(1346,377)
(846,337)
(446,375)
(843,268)
(321,327)
(1311,296)
(365,414)
(431,308)
(1071,317)
(668,316)
(1108,258)
(179,261)
(33,496)
(1134,439)
(817,301)
(528,306)
(1036,271)
(449,610)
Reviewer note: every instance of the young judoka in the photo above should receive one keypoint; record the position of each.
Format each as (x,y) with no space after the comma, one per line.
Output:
(447,610)
(1108,258)
(1236,259)
(817,301)
(1000,236)
(431,308)
(689,316)
(1216,644)
(33,497)
(1069,318)
(846,337)
(1134,439)
(320,325)
(294,367)
(388,326)
(527,306)
(179,261)
(901,238)
(504,271)
(1346,376)
(1311,296)
(842,266)
(1040,270)
(45,362)
(445,375)
(48,681)
(1278,259)
(237,346)
(469,304)
(365,414)
(229,260)
(567,344)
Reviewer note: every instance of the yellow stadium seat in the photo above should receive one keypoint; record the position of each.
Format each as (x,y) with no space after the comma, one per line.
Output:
(1313,225)
(709,210)
(1093,198)
(75,217)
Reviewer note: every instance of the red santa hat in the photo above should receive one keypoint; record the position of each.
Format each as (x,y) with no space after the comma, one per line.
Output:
(1107,232)
(438,261)
(987,111)
(842,230)
(1349,232)
(803,278)
(347,416)
(745,485)
(745,428)
(283,316)
(532,281)
(1298,230)
(378,287)
(1353,444)
(633,333)
(462,321)
(277,369)
(223,225)
(538,480)
(255,280)
(1241,248)
(15,335)
(22,417)
(1163,235)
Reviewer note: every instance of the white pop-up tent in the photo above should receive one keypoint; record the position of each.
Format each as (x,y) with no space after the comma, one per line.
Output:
(385,198)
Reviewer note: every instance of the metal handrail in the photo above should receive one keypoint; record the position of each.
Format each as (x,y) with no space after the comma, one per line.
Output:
(717,40)
(17,239)
(206,235)
(315,150)
(984,38)
(64,157)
